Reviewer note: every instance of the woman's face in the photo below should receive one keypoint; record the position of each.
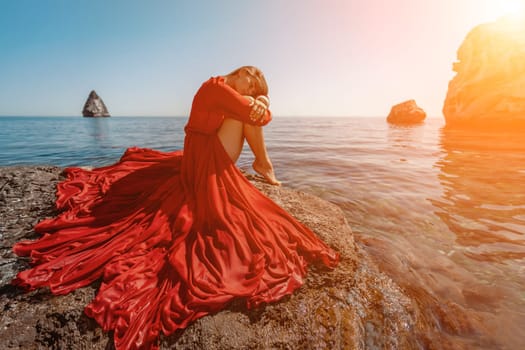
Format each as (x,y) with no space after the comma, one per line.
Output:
(245,83)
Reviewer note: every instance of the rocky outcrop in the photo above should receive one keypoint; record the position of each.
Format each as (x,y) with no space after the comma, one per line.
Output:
(489,87)
(407,112)
(354,306)
(94,106)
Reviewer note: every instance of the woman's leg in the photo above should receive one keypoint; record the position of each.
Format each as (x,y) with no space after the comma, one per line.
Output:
(232,133)
(262,164)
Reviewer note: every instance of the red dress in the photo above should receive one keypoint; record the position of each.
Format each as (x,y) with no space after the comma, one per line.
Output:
(173,235)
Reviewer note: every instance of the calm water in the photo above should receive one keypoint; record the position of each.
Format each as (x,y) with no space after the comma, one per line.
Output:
(441,211)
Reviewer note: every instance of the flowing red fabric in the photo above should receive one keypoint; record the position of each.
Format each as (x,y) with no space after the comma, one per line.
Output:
(173,235)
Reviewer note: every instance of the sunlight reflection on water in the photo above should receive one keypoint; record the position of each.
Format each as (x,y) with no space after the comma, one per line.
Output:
(442,211)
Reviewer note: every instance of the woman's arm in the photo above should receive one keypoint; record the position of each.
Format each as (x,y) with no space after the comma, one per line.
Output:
(221,96)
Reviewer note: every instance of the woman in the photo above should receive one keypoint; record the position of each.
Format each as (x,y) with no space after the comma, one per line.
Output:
(233,128)
(176,235)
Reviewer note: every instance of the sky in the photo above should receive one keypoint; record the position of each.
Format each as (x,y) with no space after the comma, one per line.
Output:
(148,58)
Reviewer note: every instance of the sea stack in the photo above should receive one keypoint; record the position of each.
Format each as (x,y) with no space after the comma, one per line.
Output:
(94,106)
(407,112)
(488,90)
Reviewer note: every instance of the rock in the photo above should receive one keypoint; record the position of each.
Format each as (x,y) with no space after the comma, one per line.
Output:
(355,306)
(488,90)
(407,112)
(94,106)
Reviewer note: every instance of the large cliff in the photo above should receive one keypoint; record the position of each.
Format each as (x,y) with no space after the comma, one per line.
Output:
(489,87)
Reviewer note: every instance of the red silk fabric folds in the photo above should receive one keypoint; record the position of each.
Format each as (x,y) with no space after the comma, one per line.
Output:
(174,235)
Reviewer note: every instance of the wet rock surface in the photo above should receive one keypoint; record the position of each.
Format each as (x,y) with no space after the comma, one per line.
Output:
(94,106)
(354,306)
(407,112)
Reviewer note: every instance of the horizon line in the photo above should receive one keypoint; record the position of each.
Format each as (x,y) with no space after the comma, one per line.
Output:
(186,116)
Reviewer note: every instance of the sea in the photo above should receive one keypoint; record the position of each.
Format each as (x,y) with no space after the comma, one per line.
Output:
(441,211)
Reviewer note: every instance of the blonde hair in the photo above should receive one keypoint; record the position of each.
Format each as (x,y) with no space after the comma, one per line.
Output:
(262,86)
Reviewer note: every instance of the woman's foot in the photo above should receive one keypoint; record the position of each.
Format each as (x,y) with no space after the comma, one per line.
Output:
(265,169)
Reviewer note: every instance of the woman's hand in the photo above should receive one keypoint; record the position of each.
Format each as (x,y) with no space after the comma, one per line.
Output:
(259,106)
(264,99)
(249,98)
(258,111)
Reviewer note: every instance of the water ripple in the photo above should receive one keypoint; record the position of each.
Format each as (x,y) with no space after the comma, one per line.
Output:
(442,211)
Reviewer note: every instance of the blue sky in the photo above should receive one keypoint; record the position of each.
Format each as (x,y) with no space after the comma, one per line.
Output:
(331,57)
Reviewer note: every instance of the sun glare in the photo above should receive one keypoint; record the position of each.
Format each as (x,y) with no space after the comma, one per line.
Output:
(507,8)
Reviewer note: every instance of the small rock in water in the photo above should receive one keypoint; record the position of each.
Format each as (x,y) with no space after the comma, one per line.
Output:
(407,112)
(94,106)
